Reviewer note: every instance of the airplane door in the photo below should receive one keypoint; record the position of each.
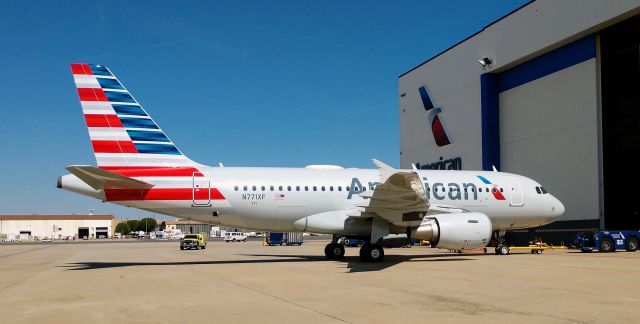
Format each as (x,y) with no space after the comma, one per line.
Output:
(200,190)
(516,197)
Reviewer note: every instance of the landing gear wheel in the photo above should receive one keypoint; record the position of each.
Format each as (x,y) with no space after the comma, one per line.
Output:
(371,253)
(632,244)
(502,250)
(334,251)
(606,245)
(539,251)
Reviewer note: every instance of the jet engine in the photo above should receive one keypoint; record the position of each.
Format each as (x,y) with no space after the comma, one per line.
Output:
(456,231)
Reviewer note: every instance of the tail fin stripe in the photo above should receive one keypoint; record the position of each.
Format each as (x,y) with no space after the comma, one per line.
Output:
(102,121)
(108,133)
(80,69)
(106,83)
(147,136)
(129,122)
(157,148)
(118,97)
(98,69)
(91,94)
(128,110)
(113,147)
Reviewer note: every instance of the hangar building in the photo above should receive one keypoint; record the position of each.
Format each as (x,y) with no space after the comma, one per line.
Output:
(57,227)
(550,91)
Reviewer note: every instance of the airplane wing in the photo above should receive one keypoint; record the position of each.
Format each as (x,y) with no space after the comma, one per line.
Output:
(102,179)
(400,196)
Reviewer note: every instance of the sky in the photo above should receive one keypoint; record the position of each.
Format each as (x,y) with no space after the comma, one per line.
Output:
(243,83)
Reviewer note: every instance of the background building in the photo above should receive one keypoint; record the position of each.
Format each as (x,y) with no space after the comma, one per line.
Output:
(550,91)
(193,227)
(26,227)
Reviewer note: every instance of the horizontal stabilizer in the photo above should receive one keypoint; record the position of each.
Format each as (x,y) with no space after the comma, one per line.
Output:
(100,179)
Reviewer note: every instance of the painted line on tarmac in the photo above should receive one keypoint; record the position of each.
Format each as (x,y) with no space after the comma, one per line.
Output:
(284,300)
(26,251)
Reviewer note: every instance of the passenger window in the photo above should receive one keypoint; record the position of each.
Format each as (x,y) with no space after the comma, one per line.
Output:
(254,188)
(346,188)
(428,189)
(280,188)
(271,188)
(297,188)
(322,188)
(262,188)
(306,188)
(244,188)
(339,188)
(331,188)
(235,188)
(315,188)
(494,190)
(487,189)
(288,188)
(501,190)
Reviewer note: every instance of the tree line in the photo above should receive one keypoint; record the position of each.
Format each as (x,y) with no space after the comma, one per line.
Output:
(134,225)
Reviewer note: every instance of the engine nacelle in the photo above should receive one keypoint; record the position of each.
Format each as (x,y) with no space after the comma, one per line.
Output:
(457,231)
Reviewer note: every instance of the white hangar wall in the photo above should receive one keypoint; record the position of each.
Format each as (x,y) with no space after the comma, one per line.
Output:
(533,111)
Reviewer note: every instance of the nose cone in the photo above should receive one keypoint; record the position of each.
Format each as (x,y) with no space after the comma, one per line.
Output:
(557,208)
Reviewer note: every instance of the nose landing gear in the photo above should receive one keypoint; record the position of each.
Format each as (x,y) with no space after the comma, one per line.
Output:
(501,248)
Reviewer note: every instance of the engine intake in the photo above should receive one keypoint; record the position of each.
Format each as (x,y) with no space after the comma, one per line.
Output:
(456,231)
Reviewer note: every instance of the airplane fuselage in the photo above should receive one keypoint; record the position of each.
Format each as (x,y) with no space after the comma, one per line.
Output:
(274,198)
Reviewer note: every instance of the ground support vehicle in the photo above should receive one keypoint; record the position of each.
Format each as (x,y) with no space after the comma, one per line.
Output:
(294,238)
(608,241)
(275,238)
(193,241)
(537,248)
(235,237)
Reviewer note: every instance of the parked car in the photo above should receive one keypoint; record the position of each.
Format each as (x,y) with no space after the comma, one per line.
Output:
(193,241)
(235,237)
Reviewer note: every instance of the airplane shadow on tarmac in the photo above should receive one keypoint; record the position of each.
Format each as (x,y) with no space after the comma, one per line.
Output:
(353,263)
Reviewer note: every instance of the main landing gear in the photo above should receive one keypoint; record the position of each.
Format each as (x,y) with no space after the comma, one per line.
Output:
(334,250)
(368,252)
(501,248)
(371,253)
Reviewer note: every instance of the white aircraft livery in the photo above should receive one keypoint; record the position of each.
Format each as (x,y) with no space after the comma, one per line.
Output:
(139,166)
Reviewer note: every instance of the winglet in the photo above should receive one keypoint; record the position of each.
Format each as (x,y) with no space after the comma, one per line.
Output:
(385,170)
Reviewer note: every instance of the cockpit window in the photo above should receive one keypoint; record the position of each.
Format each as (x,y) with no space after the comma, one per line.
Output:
(544,191)
(538,190)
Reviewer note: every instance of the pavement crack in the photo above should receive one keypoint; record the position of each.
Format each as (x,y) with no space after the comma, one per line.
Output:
(285,300)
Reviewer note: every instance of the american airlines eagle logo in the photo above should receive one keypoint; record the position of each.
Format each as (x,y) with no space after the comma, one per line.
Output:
(437,128)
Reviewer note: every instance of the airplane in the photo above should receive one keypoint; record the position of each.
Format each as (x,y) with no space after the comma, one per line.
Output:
(139,166)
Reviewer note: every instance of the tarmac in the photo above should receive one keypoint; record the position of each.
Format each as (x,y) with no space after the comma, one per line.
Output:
(155,282)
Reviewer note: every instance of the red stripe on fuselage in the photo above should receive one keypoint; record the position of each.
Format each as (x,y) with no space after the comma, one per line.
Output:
(160,194)
(97,120)
(146,171)
(92,94)
(113,147)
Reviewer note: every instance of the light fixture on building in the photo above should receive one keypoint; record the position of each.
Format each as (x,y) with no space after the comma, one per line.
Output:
(485,62)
